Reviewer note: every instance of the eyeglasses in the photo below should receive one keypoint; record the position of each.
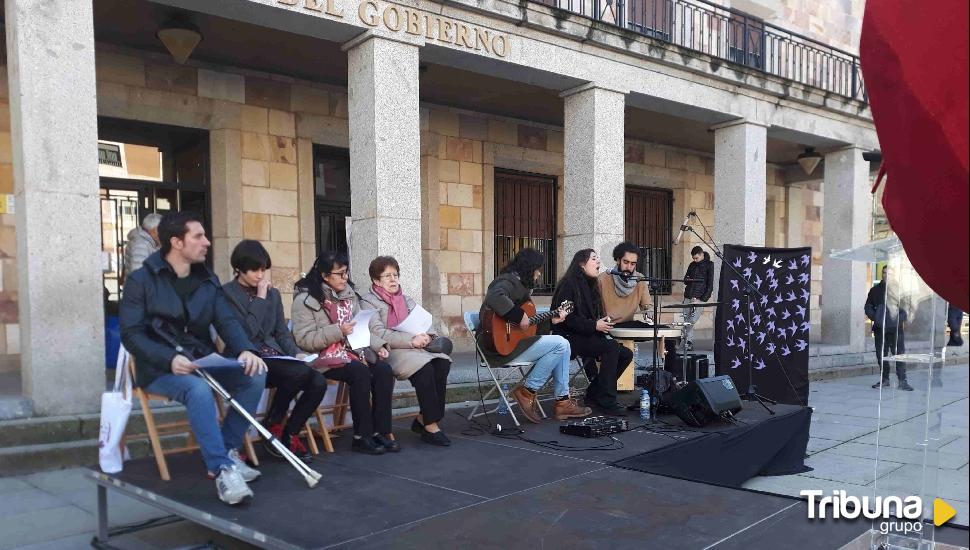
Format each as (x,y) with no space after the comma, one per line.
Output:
(387,276)
(341,274)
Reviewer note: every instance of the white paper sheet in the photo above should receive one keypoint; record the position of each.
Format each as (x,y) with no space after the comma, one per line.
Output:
(308,359)
(360,337)
(417,322)
(216,361)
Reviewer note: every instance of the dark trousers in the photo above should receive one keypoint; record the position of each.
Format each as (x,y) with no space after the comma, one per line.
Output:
(289,379)
(614,358)
(371,389)
(892,342)
(430,383)
(954,319)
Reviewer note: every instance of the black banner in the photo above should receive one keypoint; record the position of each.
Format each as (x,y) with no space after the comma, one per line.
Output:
(776,341)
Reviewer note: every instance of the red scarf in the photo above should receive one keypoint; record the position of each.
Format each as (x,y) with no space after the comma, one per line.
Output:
(398,306)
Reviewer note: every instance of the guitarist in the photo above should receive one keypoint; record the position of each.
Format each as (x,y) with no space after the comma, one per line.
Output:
(505,297)
(587,329)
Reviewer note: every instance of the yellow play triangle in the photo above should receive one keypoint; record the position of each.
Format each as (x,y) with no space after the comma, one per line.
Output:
(942,512)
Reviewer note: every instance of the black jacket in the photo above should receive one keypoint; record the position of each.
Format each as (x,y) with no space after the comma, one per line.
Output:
(876,311)
(703,271)
(262,318)
(587,304)
(505,296)
(150,304)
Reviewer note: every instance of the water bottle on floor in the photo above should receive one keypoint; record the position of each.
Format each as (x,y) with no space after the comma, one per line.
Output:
(645,405)
(502,409)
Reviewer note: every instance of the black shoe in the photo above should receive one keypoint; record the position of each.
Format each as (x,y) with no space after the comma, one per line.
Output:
(613,410)
(437,438)
(387,443)
(904,385)
(877,385)
(367,445)
(418,427)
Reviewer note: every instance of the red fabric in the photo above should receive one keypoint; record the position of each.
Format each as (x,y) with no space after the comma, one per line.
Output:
(914,59)
(398,306)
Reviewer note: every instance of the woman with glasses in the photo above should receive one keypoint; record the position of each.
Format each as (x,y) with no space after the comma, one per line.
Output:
(323,312)
(421,358)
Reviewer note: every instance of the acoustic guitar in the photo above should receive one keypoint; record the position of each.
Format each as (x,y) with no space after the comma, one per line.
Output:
(502,336)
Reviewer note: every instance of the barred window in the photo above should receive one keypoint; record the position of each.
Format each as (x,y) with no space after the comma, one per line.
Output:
(649,225)
(525,217)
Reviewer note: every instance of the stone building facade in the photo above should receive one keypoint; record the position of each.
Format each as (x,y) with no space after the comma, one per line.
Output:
(594,116)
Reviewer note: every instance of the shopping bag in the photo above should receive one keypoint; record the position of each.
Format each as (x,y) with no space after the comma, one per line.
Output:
(115,409)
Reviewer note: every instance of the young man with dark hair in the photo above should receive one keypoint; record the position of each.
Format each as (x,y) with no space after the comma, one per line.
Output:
(166,312)
(889,317)
(701,270)
(550,353)
(623,295)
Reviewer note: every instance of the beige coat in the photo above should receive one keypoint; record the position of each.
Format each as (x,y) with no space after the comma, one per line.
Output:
(314,331)
(404,359)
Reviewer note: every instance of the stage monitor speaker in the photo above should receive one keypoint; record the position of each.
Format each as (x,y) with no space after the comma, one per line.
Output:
(706,400)
(697,366)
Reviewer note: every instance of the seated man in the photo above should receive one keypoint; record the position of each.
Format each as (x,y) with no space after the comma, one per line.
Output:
(505,297)
(623,295)
(166,311)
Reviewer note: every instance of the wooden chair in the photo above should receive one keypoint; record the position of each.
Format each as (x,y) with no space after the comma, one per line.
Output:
(155,431)
(338,413)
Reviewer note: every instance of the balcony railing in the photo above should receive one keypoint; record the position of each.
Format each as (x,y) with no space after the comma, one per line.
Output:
(730,35)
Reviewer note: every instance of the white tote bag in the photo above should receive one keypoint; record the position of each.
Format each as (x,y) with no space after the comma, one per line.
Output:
(115,409)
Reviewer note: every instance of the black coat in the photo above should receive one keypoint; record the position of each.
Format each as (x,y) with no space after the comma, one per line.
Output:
(703,271)
(150,303)
(505,296)
(876,311)
(587,304)
(262,318)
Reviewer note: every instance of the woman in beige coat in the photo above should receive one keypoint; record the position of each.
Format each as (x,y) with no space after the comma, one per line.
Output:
(409,358)
(323,312)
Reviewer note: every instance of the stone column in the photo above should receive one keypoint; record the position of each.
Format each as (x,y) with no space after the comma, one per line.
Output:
(54,144)
(846,214)
(594,180)
(795,214)
(385,157)
(740,195)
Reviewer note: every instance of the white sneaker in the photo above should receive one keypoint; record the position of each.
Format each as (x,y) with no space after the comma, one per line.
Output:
(248,473)
(231,486)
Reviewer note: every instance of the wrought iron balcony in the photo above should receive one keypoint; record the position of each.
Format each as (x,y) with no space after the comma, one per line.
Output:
(730,35)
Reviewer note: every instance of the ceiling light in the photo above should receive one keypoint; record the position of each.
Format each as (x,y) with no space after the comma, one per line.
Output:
(180,39)
(809,160)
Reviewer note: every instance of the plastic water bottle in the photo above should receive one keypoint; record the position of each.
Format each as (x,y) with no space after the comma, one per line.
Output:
(502,408)
(645,405)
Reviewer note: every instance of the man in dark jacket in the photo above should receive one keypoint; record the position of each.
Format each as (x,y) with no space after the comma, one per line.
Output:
(888,318)
(701,270)
(166,312)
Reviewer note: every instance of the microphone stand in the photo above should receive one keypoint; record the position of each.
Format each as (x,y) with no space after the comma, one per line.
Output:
(751,394)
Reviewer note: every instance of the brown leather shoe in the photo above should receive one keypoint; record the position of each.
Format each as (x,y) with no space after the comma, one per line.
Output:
(527,403)
(569,408)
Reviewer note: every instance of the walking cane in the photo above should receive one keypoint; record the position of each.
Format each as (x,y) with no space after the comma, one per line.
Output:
(311,476)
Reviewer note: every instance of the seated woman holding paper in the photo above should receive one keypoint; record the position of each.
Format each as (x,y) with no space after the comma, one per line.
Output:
(325,312)
(259,308)
(417,354)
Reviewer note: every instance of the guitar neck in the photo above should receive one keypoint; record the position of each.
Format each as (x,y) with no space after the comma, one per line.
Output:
(536,319)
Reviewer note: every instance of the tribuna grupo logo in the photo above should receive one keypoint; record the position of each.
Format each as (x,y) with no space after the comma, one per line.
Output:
(899,514)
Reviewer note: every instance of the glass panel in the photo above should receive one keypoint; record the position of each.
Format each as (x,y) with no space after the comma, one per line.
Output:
(191,166)
(129,161)
(119,216)
(331,175)
(166,200)
(920,440)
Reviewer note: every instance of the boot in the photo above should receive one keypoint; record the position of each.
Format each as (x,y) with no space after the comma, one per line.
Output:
(569,408)
(527,402)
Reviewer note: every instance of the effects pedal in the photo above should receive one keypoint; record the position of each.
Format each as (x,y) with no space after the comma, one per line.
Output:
(595,426)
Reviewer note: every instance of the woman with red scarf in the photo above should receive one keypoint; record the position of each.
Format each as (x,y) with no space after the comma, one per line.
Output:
(421,358)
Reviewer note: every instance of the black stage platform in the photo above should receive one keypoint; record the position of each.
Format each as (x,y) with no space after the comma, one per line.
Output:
(486,492)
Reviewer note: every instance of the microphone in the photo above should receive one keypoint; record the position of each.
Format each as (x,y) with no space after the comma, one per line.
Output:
(621,274)
(684,227)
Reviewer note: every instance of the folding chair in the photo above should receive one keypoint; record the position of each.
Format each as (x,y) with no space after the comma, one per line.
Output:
(155,431)
(508,370)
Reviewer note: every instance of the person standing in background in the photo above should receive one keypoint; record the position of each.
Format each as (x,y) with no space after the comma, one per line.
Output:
(701,271)
(142,242)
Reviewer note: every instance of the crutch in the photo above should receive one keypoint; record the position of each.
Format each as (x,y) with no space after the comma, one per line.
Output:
(309,474)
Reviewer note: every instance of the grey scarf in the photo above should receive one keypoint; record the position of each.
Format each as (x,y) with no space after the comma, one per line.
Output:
(623,287)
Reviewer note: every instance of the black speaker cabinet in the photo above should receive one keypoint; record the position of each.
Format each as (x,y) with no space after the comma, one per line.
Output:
(697,366)
(704,401)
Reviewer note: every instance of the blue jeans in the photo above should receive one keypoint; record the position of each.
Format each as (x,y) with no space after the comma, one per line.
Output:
(551,357)
(200,405)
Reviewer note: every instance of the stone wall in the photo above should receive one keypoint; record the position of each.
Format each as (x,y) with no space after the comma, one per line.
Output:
(837,23)
(262,130)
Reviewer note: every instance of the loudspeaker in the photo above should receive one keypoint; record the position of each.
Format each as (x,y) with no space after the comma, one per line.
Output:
(706,400)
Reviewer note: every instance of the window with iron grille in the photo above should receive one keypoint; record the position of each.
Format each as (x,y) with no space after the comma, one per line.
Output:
(648,225)
(525,217)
